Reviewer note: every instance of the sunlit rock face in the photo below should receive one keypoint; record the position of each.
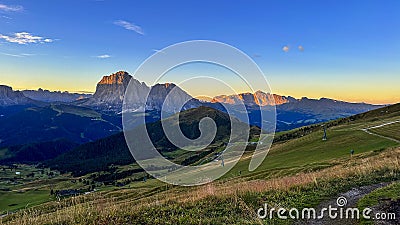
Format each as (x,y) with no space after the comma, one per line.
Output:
(9,97)
(258,98)
(111,90)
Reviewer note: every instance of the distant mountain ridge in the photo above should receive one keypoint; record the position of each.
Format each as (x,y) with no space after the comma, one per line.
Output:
(10,97)
(33,124)
(258,98)
(291,112)
(53,96)
(111,91)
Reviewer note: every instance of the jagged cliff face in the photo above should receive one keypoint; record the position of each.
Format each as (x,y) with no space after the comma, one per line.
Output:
(9,97)
(111,89)
(158,99)
(110,93)
(258,98)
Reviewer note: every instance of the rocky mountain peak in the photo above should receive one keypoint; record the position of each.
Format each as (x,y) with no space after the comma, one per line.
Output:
(111,91)
(120,77)
(158,98)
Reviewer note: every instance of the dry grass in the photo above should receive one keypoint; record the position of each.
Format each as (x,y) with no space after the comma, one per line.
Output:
(389,159)
(100,208)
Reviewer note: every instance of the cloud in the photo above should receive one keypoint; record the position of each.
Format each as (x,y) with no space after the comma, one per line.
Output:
(23,38)
(13,55)
(6,17)
(105,56)
(129,26)
(286,48)
(22,55)
(11,8)
(27,54)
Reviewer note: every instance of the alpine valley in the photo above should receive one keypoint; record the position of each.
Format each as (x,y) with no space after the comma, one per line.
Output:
(64,120)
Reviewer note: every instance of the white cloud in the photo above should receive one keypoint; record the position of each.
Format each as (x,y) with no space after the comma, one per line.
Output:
(11,8)
(105,56)
(23,38)
(13,55)
(129,26)
(286,48)
(27,54)
(22,55)
(6,17)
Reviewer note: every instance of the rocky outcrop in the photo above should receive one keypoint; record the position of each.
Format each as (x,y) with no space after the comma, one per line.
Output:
(111,91)
(9,97)
(258,98)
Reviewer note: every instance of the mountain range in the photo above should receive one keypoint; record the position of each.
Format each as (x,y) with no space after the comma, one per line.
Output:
(53,96)
(110,93)
(9,97)
(258,98)
(35,117)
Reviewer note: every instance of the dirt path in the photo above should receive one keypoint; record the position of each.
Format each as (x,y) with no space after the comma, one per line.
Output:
(366,130)
(389,138)
(352,198)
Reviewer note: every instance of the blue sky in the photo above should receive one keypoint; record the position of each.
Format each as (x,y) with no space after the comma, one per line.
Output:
(351,48)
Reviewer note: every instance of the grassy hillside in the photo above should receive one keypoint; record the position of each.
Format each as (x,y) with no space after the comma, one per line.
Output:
(300,170)
(99,155)
(391,130)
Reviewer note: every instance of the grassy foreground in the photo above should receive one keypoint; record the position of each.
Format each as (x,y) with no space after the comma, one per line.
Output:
(301,172)
(224,202)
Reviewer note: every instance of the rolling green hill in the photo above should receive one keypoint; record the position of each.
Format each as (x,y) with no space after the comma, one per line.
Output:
(99,155)
(301,170)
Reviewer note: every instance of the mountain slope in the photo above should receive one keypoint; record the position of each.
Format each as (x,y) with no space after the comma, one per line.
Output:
(36,152)
(41,124)
(98,155)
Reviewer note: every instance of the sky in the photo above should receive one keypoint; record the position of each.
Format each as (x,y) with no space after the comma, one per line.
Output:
(346,50)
